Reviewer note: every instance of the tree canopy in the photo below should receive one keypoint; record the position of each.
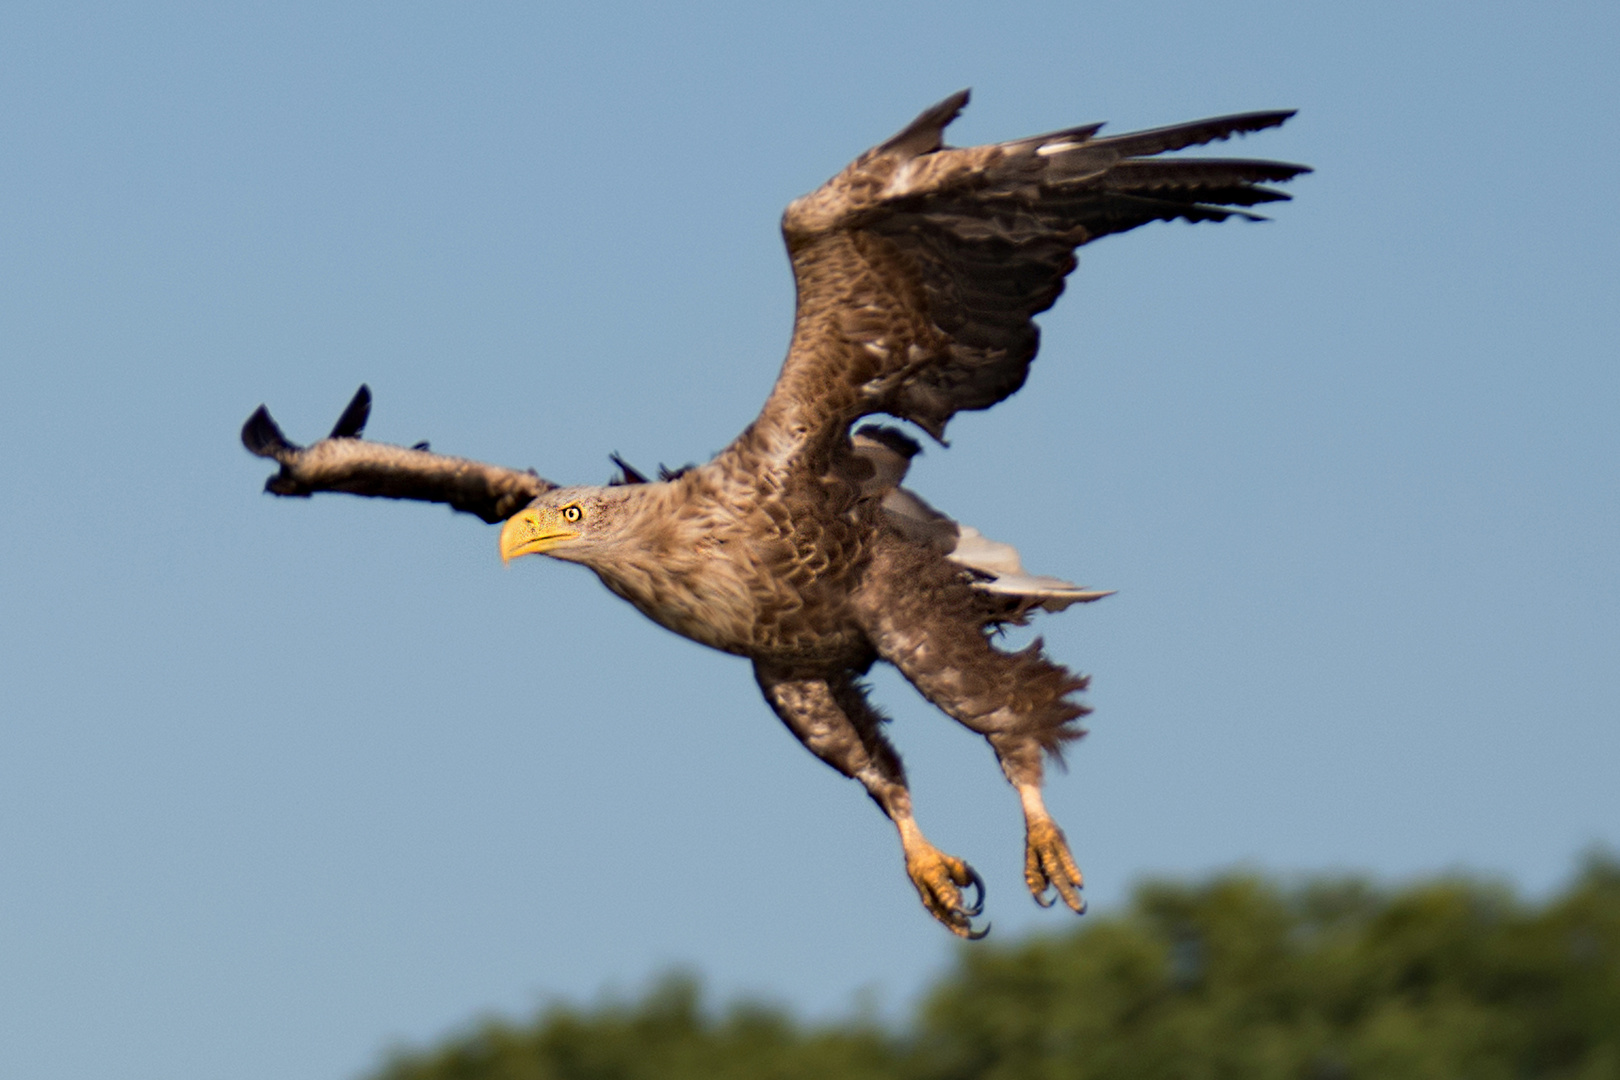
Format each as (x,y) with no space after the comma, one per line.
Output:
(1240,977)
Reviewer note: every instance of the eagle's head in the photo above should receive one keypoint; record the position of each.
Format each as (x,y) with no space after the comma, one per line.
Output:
(579,524)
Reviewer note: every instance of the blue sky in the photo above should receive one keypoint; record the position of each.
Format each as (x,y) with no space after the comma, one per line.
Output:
(284,783)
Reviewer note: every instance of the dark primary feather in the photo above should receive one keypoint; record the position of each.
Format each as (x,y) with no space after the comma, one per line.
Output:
(355,415)
(1192,133)
(925,134)
(628,474)
(263,437)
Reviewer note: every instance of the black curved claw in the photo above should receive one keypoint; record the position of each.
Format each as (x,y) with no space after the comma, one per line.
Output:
(977,907)
(978,935)
(353,420)
(1047,896)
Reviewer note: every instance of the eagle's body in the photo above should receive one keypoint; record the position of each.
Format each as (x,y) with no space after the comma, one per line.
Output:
(711,563)
(919,268)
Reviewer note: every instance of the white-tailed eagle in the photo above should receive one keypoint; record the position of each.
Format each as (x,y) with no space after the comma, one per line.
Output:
(919,268)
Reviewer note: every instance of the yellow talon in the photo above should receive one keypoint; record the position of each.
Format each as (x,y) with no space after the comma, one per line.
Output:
(1049,865)
(939,880)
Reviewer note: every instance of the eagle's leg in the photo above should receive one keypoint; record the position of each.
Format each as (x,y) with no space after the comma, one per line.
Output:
(1048,863)
(831,716)
(923,618)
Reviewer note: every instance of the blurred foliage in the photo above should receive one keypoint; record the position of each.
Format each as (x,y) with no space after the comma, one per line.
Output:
(1236,978)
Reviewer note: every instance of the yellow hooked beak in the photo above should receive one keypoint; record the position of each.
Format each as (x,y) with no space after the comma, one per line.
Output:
(534,531)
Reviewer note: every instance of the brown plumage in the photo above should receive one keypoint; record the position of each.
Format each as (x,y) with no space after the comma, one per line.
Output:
(919,269)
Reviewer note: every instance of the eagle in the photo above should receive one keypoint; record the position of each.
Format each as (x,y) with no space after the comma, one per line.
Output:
(919,269)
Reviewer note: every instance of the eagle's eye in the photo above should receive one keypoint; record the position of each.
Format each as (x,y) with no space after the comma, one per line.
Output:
(572,513)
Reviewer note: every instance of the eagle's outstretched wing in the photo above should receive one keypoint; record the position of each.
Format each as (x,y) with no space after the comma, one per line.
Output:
(342,462)
(920,266)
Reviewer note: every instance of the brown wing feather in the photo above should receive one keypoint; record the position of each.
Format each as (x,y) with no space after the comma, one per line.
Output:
(920,267)
(342,462)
